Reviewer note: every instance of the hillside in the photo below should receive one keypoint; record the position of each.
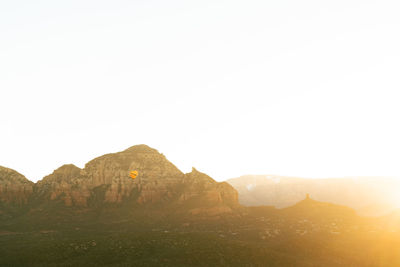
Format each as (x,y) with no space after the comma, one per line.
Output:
(104,185)
(15,192)
(369,196)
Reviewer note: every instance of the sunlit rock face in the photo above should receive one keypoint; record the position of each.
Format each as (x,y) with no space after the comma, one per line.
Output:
(159,181)
(202,187)
(15,189)
(66,185)
(155,182)
(202,196)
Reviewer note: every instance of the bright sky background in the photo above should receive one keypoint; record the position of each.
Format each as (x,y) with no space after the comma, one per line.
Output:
(302,88)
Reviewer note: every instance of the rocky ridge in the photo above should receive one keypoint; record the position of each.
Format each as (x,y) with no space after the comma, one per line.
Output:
(15,189)
(105,180)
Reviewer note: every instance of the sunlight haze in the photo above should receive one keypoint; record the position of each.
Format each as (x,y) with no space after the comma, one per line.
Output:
(296,88)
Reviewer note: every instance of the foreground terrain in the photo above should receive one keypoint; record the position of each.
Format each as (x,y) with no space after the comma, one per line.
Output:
(259,238)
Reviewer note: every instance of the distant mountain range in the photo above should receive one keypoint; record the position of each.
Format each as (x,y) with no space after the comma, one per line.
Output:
(369,196)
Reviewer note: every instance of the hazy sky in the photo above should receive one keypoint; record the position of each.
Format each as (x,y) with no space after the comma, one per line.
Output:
(304,88)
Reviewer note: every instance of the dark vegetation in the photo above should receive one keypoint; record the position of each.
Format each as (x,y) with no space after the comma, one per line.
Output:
(308,234)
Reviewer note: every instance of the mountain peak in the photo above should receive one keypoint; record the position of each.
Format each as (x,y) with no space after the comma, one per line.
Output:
(106,180)
(194,170)
(63,173)
(67,167)
(7,174)
(310,207)
(141,148)
(199,176)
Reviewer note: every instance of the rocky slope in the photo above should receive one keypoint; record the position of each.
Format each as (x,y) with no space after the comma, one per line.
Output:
(64,185)
(105,181)
(15,193)
(15,189)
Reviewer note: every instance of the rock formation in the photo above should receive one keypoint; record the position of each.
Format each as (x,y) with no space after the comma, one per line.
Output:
(66,185)
(105,180)
(15,189)
(202,188)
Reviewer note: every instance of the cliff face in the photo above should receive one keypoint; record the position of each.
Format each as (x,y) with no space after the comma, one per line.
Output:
(15,189)
(203,188)
(159,181)
(206,197)
(156,181)
(66,185)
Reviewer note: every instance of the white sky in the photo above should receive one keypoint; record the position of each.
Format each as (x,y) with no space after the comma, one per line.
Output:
(303,88)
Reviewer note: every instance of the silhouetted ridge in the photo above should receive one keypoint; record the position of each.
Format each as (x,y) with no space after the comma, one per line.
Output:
(310,207)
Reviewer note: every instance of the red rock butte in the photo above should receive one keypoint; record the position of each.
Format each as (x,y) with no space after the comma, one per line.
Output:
(158,182)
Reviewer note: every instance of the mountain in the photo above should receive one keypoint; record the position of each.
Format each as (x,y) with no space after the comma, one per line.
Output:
(369,196)
(309,207)
(105,182)
(15,191)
